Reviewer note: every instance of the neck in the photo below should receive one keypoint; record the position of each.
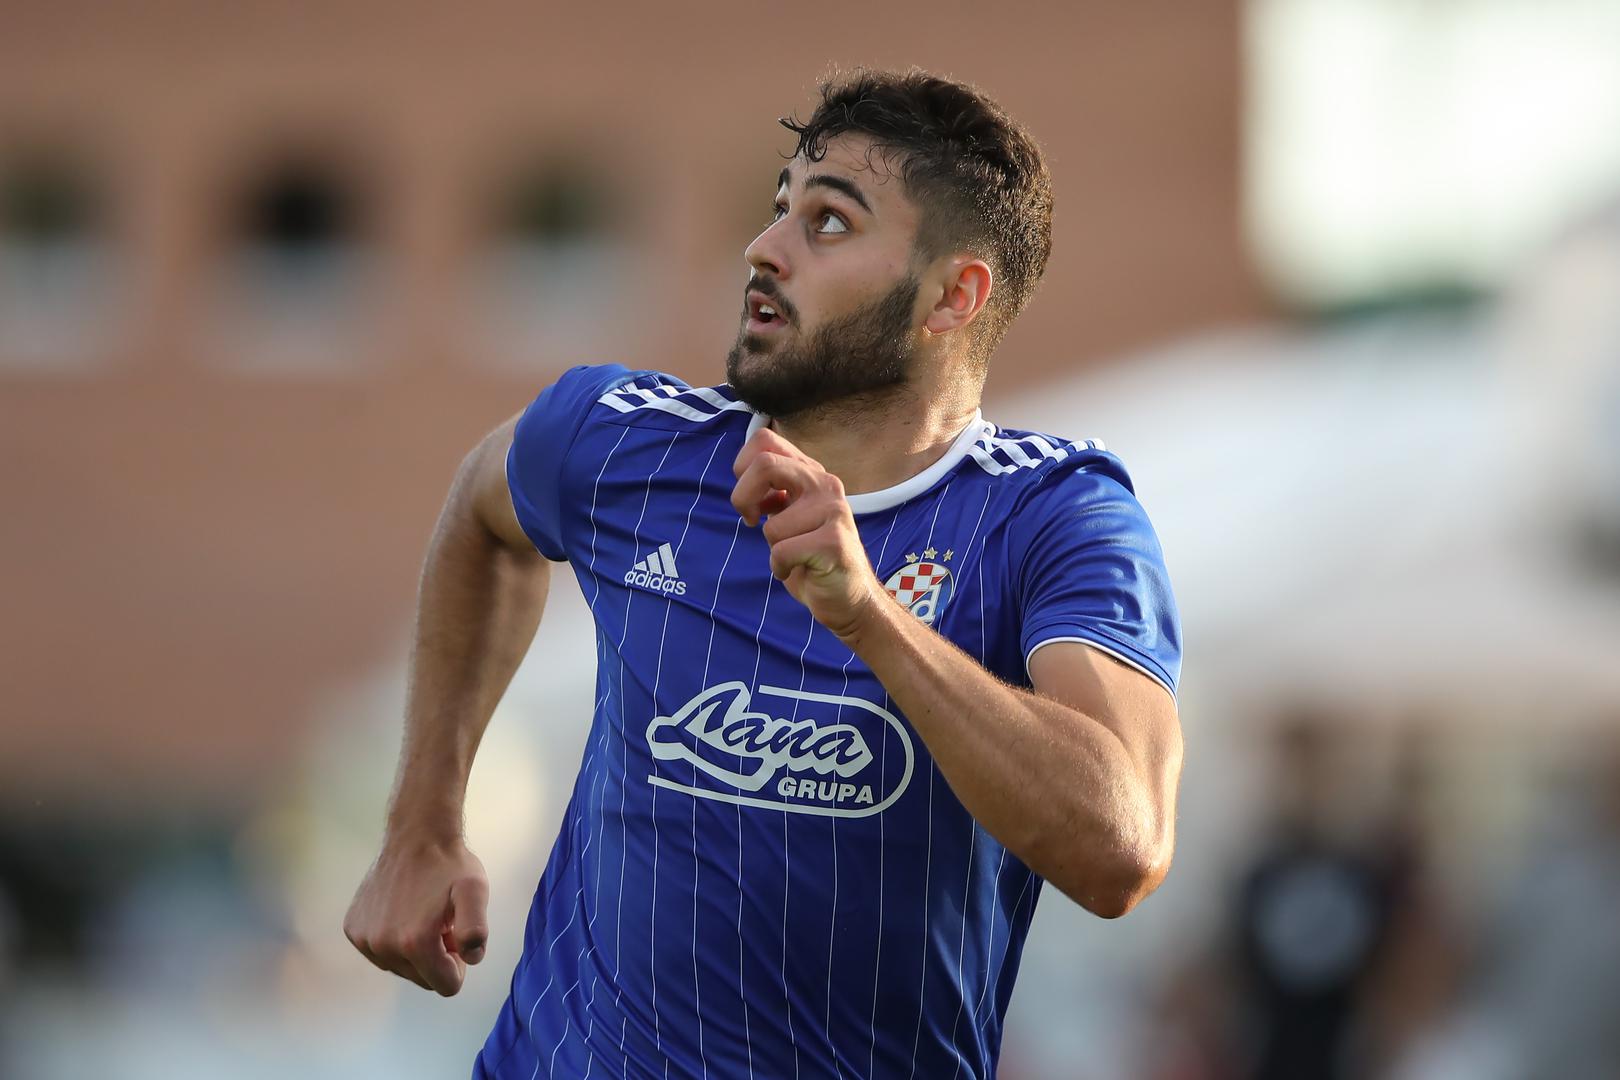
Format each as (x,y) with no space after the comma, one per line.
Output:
(874,443)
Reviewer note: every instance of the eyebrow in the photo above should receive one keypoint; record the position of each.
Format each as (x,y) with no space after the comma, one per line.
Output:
(836,183)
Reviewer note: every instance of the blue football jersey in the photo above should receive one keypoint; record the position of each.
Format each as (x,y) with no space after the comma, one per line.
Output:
(761,872)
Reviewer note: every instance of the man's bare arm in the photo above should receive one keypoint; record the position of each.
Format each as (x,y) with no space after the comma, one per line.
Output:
(1078,778)
(482,591)
(421,910)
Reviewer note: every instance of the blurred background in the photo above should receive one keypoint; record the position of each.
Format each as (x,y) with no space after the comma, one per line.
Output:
(1338,279)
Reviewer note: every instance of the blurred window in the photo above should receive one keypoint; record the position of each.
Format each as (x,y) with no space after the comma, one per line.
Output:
(556,280)
(55,266)
(295,296)
(560,207)
(1396,148)
(300,216)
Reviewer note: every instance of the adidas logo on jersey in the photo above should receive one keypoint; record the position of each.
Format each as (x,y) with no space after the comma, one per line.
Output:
(657,572)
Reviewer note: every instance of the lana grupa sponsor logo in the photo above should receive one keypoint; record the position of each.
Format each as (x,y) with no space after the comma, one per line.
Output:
(817,760)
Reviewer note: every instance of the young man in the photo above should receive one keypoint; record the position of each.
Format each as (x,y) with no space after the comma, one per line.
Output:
(870,669)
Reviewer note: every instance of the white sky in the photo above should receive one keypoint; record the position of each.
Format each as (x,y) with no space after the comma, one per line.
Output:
(1397,142)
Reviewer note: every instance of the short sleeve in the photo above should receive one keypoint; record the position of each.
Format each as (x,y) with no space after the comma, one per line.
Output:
(1089,568)
(545,434)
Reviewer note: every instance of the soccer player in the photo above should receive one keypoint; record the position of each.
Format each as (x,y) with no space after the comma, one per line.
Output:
(870,669)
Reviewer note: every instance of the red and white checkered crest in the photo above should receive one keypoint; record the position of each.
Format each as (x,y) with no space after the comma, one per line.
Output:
(922,587)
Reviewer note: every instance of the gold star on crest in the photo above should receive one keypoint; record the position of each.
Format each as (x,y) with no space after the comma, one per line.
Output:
(930,553)
(948,554)
(911,556)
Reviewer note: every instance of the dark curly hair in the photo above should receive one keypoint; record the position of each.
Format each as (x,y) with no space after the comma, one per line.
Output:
(976,173)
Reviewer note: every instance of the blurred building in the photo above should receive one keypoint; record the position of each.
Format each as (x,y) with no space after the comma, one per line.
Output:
(264,279)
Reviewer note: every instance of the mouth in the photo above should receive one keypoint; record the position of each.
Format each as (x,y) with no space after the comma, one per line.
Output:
(763,314)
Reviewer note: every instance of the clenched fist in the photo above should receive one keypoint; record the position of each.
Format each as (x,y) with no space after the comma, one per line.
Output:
(815,548)
(422,913)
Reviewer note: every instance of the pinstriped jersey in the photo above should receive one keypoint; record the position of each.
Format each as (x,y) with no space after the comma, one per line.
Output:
(760,871)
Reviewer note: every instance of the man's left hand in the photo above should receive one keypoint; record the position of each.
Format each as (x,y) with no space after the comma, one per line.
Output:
(815,548)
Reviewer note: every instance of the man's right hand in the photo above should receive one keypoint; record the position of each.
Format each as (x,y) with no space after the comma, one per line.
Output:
(422,913)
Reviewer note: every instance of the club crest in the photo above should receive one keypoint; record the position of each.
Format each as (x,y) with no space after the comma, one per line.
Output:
(923,586)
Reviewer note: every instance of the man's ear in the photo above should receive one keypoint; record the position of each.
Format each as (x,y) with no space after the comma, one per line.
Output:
(963,294)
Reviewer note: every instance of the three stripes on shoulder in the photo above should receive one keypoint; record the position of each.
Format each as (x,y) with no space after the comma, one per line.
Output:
(698,403)
(995,453)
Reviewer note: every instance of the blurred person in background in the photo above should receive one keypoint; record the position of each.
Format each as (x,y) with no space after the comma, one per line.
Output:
(1343,954)
(765,870)
(1313,916)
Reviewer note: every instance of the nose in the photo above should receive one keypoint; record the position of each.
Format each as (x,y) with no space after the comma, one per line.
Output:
(768,252)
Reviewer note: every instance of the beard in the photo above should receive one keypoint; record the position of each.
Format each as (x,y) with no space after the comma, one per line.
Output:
(855,358)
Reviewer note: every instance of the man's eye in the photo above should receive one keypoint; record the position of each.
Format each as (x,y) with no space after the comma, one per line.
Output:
(831,223)
(777,210)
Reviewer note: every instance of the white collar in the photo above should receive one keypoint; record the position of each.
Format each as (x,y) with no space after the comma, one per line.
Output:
(871,501)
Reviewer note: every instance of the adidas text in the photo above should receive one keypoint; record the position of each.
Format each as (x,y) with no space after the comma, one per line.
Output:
(656,582)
